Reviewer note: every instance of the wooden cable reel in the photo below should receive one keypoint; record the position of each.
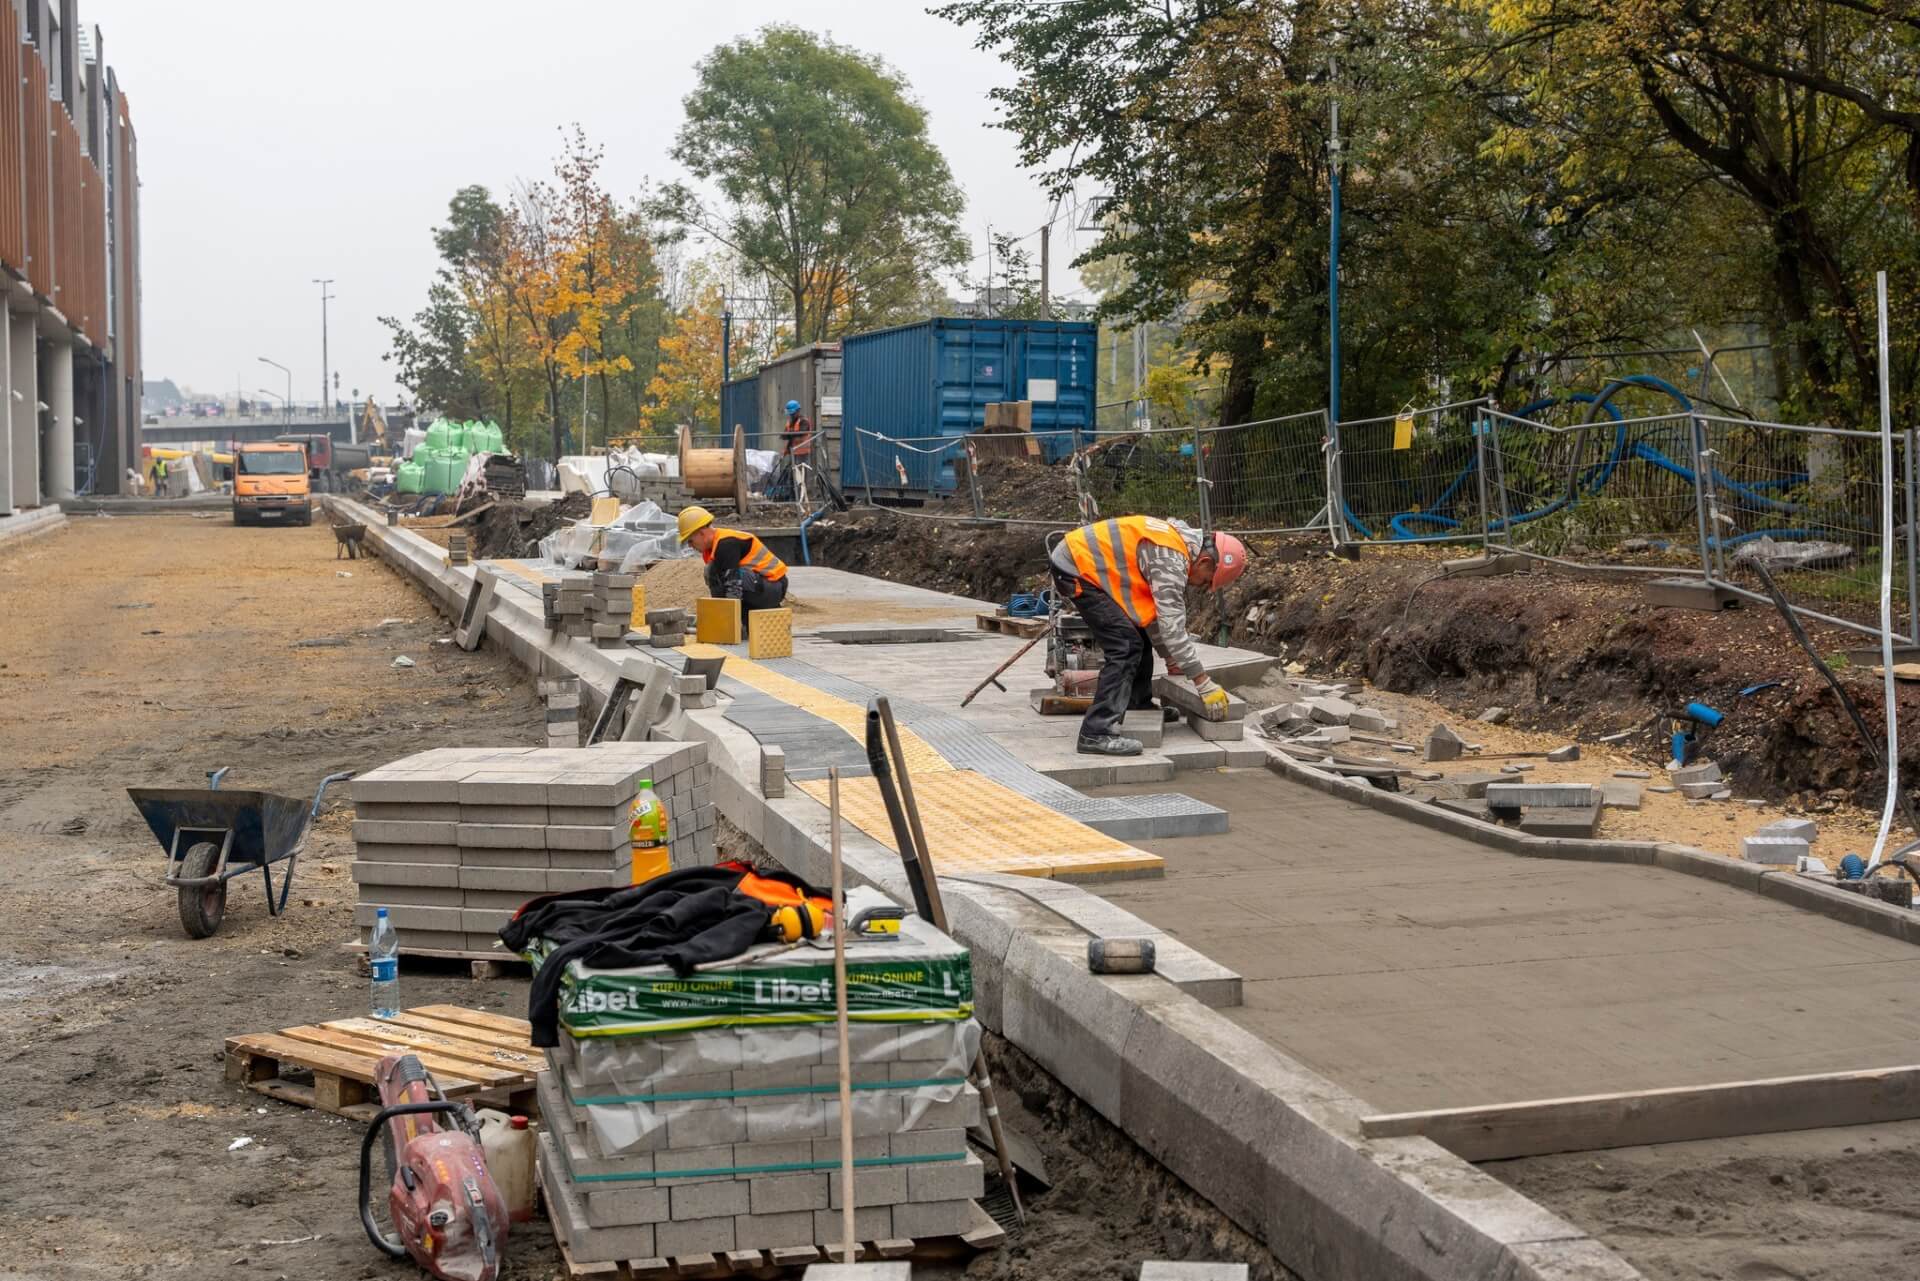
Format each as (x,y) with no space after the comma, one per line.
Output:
(715,473)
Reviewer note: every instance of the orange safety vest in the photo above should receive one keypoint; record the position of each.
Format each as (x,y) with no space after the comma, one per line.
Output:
(758,558)
(1107,553)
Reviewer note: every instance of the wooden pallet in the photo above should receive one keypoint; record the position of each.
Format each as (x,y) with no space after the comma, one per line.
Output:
(985,1234)
(469,1052)
(1025,628)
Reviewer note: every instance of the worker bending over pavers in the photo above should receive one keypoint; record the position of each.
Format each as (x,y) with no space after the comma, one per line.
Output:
(1128,576)
(739,566)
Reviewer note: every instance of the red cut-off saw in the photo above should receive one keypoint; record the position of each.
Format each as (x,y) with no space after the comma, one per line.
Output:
(451,1219)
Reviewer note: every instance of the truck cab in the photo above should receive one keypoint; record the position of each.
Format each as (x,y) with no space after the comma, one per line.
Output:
(270,484)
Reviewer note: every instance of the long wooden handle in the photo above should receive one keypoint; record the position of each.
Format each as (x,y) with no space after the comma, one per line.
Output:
(840,1018)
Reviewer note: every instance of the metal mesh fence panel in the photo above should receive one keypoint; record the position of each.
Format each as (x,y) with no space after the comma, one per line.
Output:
(1806,500)
(1602,492)
(1268,476)
(1412,476)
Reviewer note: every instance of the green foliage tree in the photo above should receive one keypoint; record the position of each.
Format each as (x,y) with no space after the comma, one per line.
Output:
(828,181)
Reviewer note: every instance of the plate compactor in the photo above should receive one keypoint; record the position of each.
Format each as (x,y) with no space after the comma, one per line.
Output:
(450,1217)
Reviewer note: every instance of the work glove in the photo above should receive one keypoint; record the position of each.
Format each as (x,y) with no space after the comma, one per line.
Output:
(1215,700)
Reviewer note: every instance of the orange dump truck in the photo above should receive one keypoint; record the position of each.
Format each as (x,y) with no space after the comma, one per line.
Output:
(270,484)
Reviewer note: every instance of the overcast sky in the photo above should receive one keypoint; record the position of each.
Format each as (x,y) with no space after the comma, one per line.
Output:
(282,142)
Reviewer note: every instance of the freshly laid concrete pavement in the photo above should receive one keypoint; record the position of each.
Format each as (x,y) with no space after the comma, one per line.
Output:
(1423,970)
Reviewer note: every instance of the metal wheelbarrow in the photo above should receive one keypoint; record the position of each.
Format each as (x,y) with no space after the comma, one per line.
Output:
(212,836)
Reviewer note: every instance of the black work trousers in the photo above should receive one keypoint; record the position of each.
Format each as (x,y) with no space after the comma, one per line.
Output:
(755,591)
(1126,674)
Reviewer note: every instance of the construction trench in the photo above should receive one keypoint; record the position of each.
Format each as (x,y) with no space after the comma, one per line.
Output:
(1342,971)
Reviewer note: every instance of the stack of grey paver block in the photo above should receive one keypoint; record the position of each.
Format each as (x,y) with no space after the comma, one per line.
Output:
(667,628)
(610,608)
(565,602)
(728,1138)
(457,549)
(562,699)
(452,841)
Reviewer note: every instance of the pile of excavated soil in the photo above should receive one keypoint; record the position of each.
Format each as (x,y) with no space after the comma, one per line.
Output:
(512,530)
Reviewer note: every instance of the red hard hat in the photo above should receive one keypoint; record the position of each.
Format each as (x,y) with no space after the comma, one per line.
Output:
(1230,559)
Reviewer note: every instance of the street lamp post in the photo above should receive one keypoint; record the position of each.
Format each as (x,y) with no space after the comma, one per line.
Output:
(325,388)
(289,373)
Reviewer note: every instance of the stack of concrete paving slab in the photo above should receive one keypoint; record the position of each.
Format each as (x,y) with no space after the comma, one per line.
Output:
(562,699)
(667,628)
(565,602)
(683,1120)
(452,841)
(610,608)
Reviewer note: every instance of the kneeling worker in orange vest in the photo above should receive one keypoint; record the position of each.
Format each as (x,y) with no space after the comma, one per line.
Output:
(738,563)
(1128,576)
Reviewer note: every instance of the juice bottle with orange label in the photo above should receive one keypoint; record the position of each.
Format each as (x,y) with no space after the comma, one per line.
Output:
(649,834)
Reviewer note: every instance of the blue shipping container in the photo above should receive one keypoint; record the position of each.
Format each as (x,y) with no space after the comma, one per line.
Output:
(909,394)
(740,407)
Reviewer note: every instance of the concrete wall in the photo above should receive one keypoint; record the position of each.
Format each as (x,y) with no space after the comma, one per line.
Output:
(23,409)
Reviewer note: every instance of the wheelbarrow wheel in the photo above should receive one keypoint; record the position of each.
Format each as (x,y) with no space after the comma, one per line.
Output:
(202,907)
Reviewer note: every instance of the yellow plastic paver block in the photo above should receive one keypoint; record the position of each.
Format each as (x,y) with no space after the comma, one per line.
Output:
(716,620)
(605,511)
(975,824)
(638,619)
(772,634)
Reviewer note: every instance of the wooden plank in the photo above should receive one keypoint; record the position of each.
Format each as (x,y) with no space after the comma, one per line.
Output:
(368,1053)
(1589,1122)
(294,1054)
(456,1030)
(518,1063)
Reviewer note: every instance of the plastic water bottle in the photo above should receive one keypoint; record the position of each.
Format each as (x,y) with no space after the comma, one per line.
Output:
(383,958)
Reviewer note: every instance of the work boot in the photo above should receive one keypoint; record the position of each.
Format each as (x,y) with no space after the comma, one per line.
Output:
(1109,745)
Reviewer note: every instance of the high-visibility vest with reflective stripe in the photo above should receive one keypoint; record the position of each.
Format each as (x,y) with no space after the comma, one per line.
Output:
(758,558)
(1107,553)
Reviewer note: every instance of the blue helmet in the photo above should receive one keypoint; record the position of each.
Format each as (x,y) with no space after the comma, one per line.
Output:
(793,406)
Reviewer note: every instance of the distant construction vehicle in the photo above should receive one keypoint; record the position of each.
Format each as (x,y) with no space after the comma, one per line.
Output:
(270,483)
(329,461)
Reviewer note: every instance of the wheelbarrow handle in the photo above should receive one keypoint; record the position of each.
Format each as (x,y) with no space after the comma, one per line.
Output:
(320,795)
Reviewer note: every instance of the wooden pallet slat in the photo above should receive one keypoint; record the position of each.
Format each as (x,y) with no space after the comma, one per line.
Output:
(505,1043)
(374,1050)
(1005,625)
(341,1058)
(504,1024)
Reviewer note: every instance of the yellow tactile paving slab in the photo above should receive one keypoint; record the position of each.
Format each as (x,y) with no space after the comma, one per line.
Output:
(974,824)
(772,635)
(523,571)
(851,717)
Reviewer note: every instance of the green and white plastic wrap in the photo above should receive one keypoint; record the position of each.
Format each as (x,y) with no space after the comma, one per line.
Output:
(735,1085)
(748,1052)
(917,977)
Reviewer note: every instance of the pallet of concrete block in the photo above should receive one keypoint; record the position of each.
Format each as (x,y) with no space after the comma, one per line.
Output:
(708,1125)
(453,840)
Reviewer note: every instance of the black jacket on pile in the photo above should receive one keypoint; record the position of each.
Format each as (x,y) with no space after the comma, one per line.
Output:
(681,919)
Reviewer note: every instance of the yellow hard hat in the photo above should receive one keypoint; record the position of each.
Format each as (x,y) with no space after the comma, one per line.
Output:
(693,518)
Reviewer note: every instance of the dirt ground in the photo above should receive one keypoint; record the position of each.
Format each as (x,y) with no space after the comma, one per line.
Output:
(148,650)
(1812,1205)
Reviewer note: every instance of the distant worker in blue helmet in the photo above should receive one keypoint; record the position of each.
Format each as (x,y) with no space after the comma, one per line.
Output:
(798,436)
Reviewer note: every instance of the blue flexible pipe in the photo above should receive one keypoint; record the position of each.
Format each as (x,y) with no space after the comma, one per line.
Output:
(805,557)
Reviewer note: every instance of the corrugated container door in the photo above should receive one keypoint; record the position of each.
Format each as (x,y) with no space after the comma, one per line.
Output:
(1056,373)
(740,407)
(887,391)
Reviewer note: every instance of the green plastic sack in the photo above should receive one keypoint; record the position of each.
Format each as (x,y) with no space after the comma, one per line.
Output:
(410,478)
